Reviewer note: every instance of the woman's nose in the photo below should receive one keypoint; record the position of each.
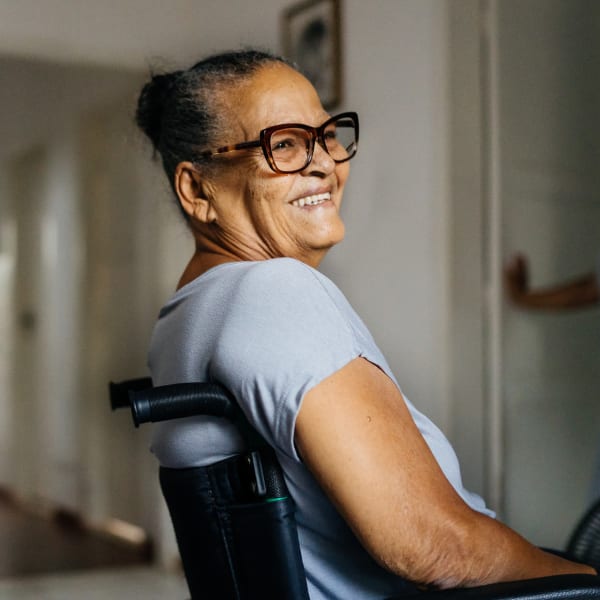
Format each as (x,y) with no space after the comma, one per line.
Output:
(321,160)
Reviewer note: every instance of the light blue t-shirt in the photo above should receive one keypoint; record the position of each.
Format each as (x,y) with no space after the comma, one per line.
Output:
(270,331)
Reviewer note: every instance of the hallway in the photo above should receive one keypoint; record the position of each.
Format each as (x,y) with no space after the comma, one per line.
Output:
(55,558)
(125,583)
(32,544)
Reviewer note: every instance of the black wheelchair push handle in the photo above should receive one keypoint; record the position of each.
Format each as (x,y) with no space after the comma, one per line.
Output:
(151,404)
(119,392)
(181,400)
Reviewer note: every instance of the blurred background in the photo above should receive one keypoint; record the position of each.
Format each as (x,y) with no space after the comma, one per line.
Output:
(479,138)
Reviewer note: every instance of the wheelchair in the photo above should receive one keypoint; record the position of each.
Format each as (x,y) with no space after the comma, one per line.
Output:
(234,520)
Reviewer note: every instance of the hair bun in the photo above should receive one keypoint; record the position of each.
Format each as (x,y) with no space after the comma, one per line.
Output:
(151,105)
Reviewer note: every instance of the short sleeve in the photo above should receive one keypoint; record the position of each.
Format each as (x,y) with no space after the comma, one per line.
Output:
(282,335)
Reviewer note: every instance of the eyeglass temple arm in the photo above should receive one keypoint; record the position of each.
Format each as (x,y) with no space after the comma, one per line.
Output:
(232,148)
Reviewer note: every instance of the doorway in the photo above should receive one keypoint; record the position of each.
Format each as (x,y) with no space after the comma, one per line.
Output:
(525,179)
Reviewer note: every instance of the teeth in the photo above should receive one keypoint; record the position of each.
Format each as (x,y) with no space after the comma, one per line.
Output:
(312,200)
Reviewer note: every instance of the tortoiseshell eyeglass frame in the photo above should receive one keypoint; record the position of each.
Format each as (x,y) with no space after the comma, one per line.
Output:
(316,133)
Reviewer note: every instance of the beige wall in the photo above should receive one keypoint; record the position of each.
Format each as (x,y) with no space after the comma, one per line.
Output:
(548,191)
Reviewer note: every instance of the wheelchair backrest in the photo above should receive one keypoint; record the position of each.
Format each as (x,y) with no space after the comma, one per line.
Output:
(234,520)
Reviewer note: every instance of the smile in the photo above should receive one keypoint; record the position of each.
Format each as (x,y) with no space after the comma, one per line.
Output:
(312,200)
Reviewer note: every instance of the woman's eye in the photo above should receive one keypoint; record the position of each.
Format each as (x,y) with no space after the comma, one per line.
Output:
(285,144)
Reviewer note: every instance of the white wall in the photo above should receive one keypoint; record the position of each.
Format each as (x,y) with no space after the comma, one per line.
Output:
(470,416)
(524,178)
(7,266)
(41,99)
(131,33)
(549,189)
(393,263)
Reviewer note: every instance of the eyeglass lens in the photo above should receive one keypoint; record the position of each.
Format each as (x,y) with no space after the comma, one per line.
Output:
(290,147)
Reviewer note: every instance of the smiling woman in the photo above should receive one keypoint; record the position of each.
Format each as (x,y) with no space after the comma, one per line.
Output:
(236,207)
(258,168)
(245,212)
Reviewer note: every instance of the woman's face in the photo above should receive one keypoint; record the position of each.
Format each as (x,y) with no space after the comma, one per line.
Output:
(260,213)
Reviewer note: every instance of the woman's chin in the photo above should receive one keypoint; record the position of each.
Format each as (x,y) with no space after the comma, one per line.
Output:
(330,238)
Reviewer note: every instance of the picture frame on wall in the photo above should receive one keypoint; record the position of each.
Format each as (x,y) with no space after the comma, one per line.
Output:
(311,39)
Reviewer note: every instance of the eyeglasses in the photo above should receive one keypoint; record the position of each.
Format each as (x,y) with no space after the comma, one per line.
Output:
(289,148)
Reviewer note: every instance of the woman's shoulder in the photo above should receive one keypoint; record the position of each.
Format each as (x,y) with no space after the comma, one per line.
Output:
(282,276)
(283,289)
(279,266)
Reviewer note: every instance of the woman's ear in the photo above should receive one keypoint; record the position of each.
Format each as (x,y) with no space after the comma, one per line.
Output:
(194,193)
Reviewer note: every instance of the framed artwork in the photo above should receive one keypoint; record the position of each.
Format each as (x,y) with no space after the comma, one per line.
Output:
(311,38)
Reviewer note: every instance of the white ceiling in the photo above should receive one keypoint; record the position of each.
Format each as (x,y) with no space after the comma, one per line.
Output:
(131,33)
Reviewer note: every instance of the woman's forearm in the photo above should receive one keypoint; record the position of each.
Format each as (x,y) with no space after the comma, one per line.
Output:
(488,551)
(355,433)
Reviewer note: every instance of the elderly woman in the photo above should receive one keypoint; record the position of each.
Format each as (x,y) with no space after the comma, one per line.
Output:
(259,169)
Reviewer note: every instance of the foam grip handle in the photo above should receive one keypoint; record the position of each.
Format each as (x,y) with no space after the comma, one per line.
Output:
(181,400)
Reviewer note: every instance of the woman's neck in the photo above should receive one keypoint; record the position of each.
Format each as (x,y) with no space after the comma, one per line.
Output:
(199,264)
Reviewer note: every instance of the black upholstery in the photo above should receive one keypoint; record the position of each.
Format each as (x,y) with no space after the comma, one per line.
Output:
(234,521)
(559,587)
(232,544)
(584,544)
(235,524)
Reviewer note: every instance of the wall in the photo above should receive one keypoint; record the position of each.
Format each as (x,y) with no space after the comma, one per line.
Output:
(44,248)
(524,178)
(7,250)
(548,53)
(40,99)
(393,263)
(470,416)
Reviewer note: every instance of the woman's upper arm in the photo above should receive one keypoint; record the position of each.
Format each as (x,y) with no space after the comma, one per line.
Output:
(355,433)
